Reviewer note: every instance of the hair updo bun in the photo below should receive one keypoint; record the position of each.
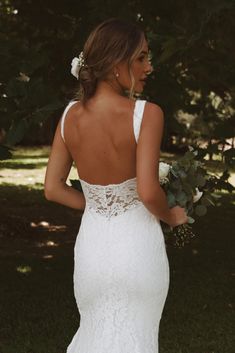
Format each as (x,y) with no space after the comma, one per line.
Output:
(110,43)
(88,82)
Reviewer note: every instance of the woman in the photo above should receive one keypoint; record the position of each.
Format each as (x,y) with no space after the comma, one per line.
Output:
(121,271)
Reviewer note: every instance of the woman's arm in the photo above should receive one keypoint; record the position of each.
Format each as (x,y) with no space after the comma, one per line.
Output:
(58,168)
(148,154)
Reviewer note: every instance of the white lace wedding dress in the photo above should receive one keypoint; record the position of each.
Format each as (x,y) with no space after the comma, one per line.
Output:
(121,269)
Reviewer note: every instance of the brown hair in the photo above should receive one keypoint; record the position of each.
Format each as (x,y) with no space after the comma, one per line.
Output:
(111,42)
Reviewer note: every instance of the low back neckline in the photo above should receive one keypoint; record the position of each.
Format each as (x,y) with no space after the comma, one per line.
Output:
(108,185)
(137,115)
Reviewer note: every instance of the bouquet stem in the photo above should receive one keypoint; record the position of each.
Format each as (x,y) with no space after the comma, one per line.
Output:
(180,235)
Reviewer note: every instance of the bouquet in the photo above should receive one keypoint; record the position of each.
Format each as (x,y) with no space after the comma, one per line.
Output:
(184,183)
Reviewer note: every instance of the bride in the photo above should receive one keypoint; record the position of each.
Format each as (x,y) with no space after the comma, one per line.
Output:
(121,269)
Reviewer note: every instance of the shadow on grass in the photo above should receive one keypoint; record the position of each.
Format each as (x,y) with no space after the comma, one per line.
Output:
(36,268)
(30,156)
(28,219)
(16,165)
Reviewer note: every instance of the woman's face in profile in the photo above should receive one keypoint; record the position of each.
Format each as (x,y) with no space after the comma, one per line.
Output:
(140,68)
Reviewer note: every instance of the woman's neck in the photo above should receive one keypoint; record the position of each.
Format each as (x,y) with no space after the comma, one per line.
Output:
(109,88)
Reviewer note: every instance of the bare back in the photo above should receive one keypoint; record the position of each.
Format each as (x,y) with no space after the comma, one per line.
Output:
(101,140)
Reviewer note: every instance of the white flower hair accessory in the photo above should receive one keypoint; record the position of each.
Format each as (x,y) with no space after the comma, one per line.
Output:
(77,64)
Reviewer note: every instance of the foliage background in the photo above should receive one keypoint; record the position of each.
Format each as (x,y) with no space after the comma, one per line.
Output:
(193,56)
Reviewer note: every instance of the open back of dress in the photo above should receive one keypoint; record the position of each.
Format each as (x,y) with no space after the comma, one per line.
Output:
(121,269)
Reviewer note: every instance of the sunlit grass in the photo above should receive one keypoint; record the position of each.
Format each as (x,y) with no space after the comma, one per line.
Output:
(28,167)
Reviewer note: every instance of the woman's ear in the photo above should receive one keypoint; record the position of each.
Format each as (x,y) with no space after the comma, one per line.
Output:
(115,71)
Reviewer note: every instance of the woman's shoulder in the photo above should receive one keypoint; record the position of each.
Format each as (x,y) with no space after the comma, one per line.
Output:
(152,123)
(152,108)
(70,110)
(73,105)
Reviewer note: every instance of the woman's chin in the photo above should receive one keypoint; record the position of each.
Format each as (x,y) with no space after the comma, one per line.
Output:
(139,89)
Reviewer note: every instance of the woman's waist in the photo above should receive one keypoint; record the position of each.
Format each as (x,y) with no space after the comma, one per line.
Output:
(135,212)
(111,211)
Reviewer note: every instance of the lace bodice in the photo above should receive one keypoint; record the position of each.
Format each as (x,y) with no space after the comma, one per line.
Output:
(111,200)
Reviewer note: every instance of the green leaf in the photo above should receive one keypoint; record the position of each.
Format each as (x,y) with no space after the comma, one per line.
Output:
(187,187)
(192,181)
(182,174)
(171,199)
(191,220)
(189,155)
(181,198)
(176,184)
(200,210)
(184,163)
(174,172)
(200,180)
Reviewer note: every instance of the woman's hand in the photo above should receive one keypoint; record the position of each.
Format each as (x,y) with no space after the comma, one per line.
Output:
(177,216)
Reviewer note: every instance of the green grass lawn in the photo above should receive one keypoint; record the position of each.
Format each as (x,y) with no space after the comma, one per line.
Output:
(38,312)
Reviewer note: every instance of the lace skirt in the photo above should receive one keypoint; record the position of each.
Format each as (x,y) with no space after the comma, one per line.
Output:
(121,281)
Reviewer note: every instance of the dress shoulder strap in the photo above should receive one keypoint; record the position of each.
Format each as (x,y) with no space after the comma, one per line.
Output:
(63,117)
(138,116)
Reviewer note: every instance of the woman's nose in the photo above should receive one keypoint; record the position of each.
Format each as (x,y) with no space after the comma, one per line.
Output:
(149,68)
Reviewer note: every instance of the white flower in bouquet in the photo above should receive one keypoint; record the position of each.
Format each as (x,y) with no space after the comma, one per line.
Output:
(197,196)
(164,169)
